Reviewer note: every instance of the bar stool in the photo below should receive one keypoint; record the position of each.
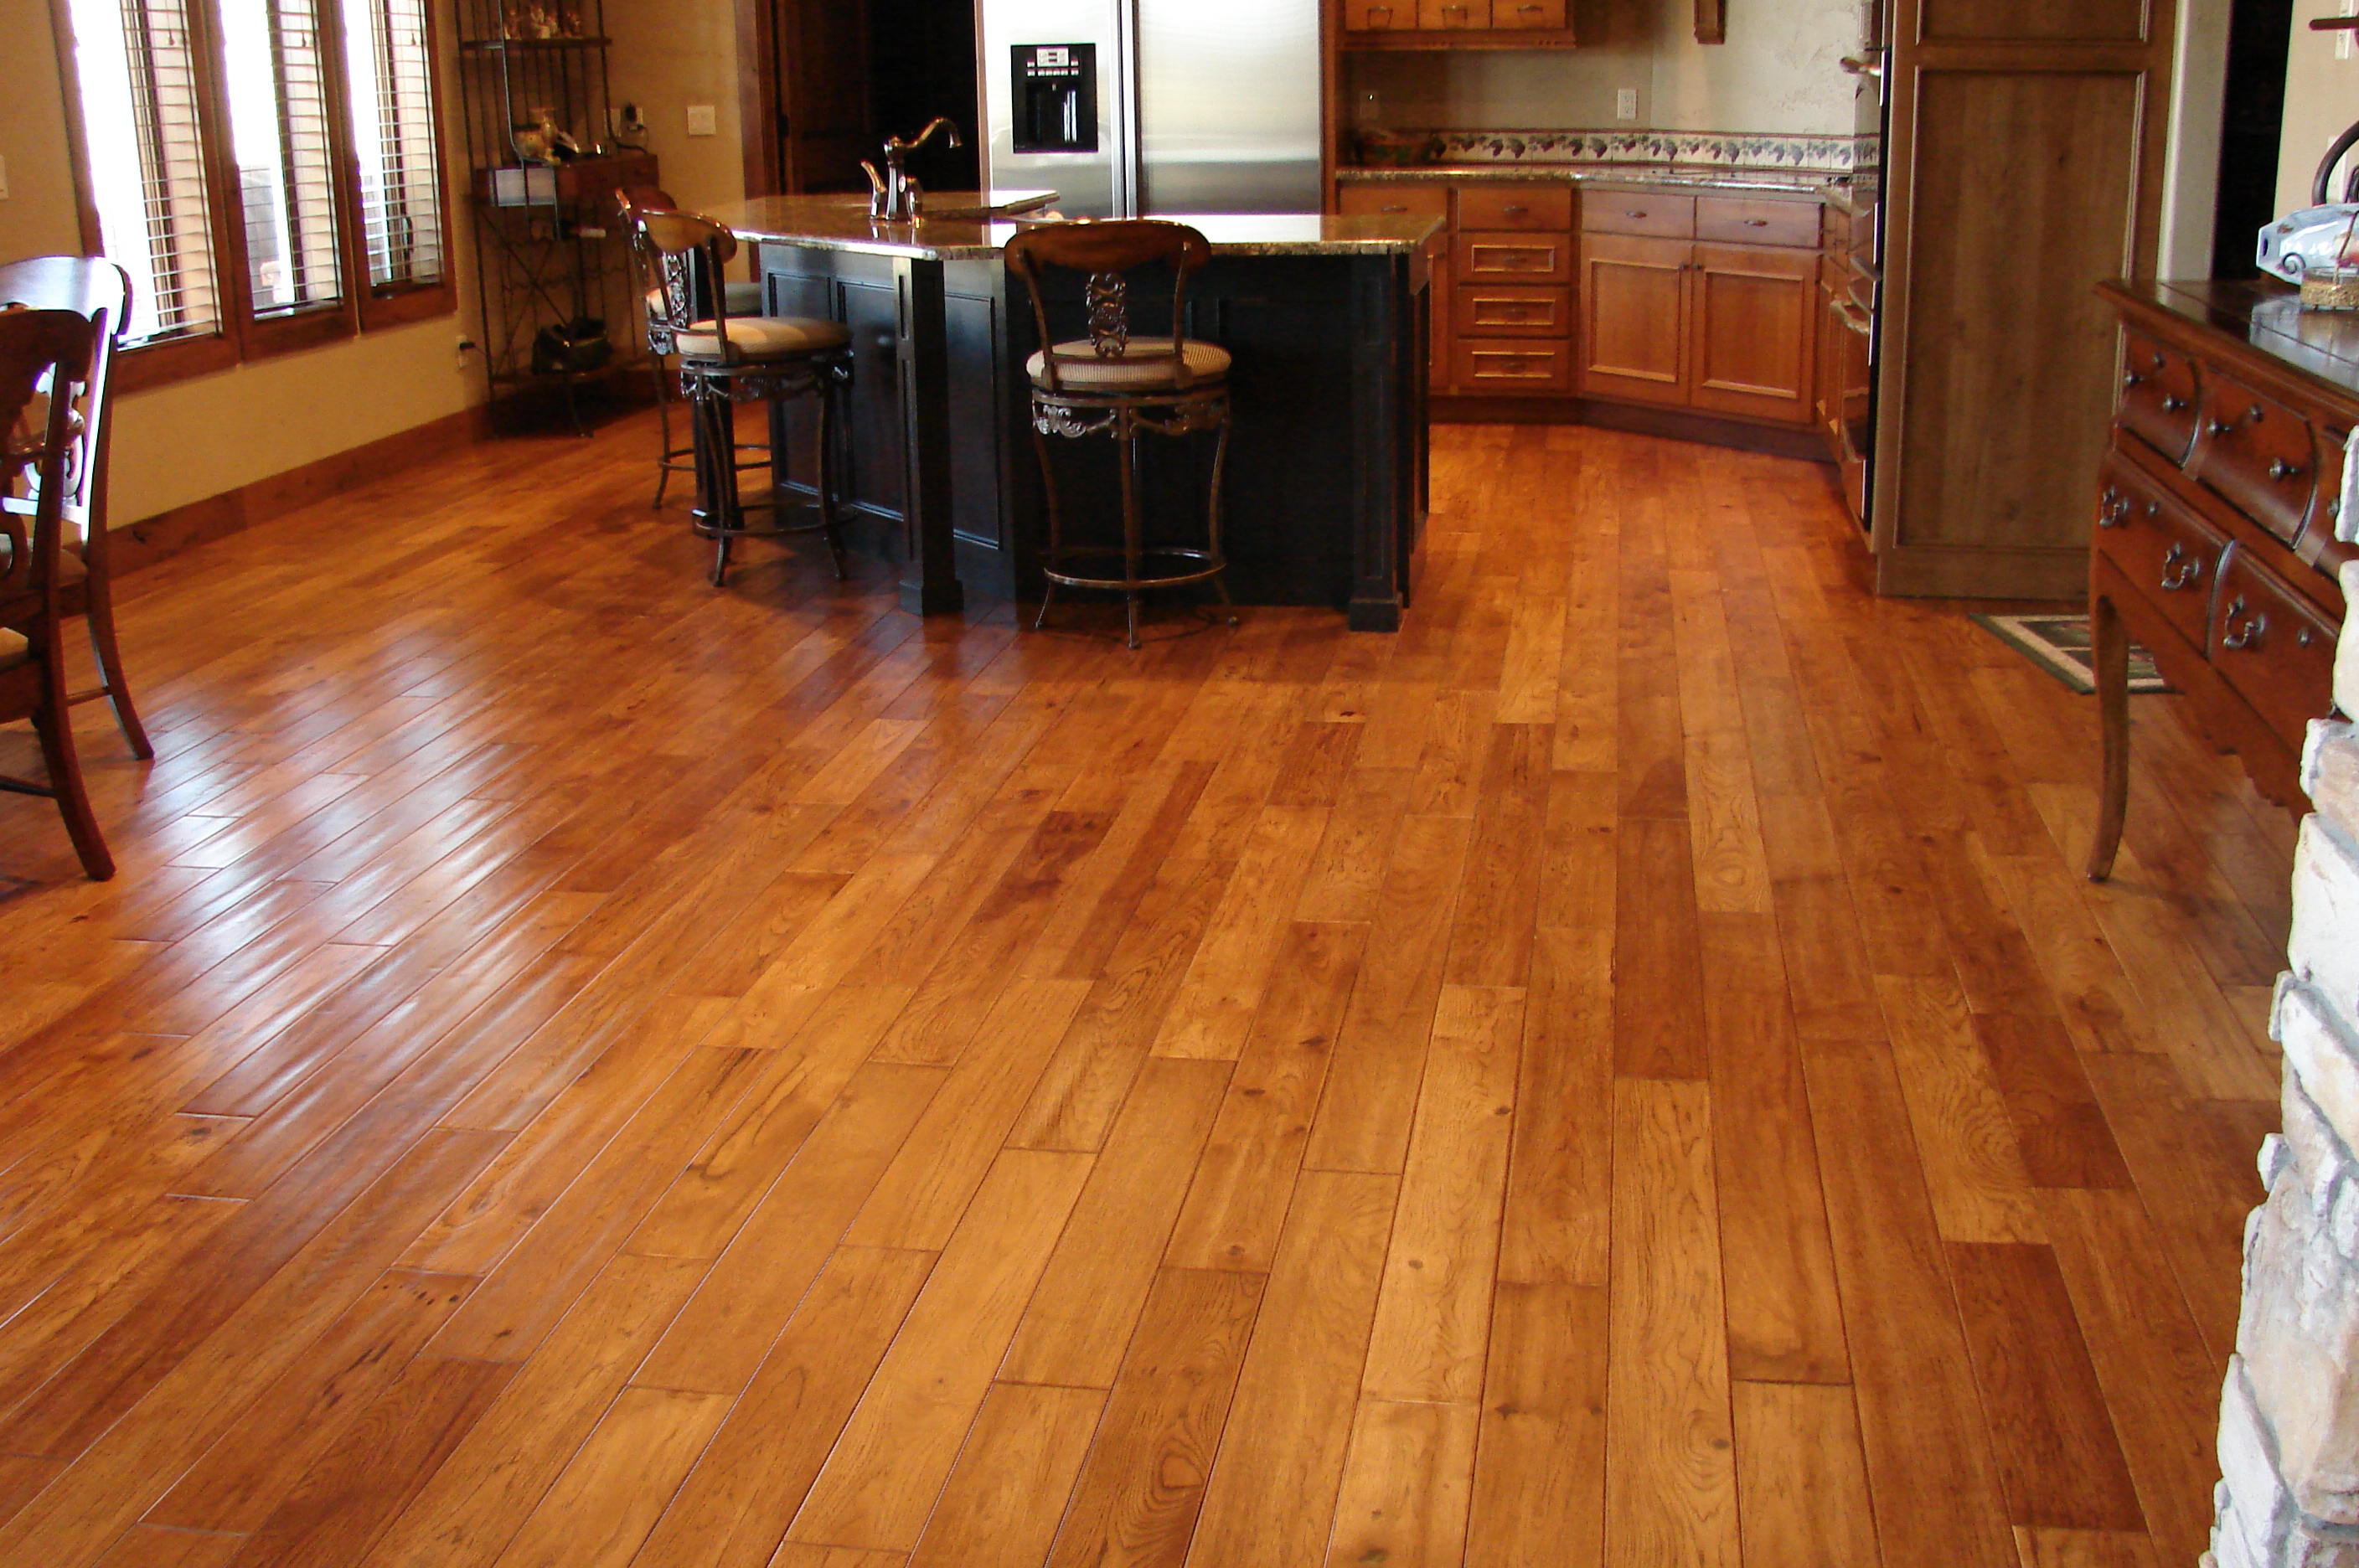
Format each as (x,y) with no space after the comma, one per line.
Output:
(744,297)
(1112,384)
(724,360)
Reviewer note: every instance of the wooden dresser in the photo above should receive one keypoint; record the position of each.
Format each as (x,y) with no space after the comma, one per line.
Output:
(2218,499)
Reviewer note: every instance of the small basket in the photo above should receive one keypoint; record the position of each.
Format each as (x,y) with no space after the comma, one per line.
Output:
(2330,288)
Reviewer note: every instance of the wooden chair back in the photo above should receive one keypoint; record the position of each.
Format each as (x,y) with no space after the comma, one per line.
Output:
(679,251)
(1107,253)
(96,288)
(45,357)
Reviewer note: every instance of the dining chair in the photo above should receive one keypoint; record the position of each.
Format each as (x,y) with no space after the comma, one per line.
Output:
(743,298)
(725,360)
(1109,383)
(46,358)
(97,289)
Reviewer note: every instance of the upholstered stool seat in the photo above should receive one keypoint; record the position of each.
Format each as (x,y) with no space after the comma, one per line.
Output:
(1143,365)
(742,296)
(762,337)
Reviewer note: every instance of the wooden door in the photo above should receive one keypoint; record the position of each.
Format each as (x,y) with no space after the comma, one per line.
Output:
(1634,318)
(803,95)
(2025,166)
(1751,332)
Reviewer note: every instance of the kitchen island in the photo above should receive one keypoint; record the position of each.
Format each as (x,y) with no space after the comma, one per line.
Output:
(1325,315)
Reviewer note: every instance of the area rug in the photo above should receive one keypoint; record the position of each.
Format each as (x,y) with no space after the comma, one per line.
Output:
(2060,646)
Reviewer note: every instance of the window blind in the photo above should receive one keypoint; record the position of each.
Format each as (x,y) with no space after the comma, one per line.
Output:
(393,134)
(279,117)
(137,65)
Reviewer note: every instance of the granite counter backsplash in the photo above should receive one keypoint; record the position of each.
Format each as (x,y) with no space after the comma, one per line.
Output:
(1718,150)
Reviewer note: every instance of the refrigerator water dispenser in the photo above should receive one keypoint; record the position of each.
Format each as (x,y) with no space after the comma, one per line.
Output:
(1056,93)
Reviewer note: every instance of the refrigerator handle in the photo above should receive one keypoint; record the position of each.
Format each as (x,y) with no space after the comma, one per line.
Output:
(1129,142)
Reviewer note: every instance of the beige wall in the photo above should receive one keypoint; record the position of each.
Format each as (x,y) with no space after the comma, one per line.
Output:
(2321,99)
(197,439)
(667,55)
(1776,72)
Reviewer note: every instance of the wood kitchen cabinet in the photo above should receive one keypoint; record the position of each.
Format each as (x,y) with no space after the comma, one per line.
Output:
(1457,24)
(1424,201)
(1708,324)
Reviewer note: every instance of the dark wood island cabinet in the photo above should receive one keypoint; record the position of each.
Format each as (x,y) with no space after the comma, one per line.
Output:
(1325,315)
(2219,531)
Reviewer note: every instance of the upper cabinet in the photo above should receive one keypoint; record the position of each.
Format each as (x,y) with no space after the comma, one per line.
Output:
(1457,24)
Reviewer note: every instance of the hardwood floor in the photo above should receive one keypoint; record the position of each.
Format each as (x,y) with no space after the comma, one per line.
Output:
(582,1068)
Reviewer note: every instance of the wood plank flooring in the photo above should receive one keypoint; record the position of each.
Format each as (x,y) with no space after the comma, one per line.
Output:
(582,1069)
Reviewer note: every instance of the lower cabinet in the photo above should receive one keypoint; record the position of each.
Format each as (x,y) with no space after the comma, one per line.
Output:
(1721,329)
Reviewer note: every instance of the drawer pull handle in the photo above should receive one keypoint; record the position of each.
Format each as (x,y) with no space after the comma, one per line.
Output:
(2132,379)
(2178,573)
(2253,413)
(2174,405)
(1634,214)
(2305,637)
(1515,210)
(2249,634)
(1756,223)
(2116,512)
(2220,427)
(2281,470)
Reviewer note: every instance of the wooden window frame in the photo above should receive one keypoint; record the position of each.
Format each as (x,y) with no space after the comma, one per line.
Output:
(240,337)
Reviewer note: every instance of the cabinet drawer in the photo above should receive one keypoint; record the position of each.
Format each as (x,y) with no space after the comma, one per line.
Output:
(1513,310)
(1545,208)
(2171,554)
(1419,200)
(1513,367)
(1528,13)
(1448,16)
(1526,258)
(2256,453)
(1638,213)
(2160,392)
(1379,15)
(2272,647)
(1735,221)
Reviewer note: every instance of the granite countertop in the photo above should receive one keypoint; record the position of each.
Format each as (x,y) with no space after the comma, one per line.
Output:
(1811,180)
(842,222)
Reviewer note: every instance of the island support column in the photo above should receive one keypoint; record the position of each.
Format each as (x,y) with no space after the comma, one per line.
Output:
(1388,417)
(930,585)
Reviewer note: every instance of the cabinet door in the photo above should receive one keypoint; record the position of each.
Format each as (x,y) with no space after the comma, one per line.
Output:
(1751,332)
(1451,15)
(1634,318)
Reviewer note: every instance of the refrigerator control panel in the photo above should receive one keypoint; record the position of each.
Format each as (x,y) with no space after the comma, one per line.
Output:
(1056,94)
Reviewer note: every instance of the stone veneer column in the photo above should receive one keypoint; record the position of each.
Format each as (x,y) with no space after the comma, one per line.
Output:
(2289,1415)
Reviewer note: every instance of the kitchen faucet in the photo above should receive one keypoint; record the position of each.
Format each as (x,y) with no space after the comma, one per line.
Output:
(894,197)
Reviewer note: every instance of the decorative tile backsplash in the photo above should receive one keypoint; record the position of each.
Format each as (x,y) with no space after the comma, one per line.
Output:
(1704,148)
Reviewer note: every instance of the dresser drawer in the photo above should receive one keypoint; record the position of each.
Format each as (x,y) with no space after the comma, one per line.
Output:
(1736,221)
(2160,392)
(1514,365)
(2256,453)
(1522,258)
(1547,209)
(2272,647)
(2170,553)
(1513,311)
(1638,213)
(1392,200)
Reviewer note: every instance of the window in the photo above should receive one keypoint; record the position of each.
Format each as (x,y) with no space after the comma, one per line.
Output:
(268,171)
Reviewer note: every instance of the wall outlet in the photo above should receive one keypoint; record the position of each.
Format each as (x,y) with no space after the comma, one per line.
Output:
(1626,103)
(701,121)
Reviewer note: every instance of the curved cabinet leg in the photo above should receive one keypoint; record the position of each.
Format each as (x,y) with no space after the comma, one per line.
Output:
(2112,647)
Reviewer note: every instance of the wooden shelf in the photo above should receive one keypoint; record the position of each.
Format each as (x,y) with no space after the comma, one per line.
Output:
(1463,38)
(505,45)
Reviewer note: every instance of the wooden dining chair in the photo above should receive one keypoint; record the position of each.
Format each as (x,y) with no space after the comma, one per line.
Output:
(42,354)
(98,290)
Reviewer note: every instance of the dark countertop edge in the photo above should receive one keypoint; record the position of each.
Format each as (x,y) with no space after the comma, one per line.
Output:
(1801,180)
(2225,306)
(981,251)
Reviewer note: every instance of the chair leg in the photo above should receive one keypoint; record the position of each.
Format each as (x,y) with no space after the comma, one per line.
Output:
(101,600)
(1131,530)
(1213,521)
(1056,524)
(54,725)
(663,422)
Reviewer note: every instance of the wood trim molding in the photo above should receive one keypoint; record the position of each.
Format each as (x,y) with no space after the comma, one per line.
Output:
(160,538)
(1936,572)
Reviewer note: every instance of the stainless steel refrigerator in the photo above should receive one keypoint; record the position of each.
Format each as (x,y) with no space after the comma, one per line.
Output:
(1171,108)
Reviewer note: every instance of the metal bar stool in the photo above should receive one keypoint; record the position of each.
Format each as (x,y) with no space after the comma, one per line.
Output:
(1112,384)
(743,298)
(724,360)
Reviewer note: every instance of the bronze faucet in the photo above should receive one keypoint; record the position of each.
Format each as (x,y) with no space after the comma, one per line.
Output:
(894,197)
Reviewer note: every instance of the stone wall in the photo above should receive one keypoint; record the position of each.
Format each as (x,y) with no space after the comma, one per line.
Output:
(2289,1416)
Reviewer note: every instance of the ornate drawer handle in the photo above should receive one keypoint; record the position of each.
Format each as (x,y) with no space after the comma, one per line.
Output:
(2220,427)
(2279,469)
(2249,634)
(2174,405)
(2116,512)
(2187,574)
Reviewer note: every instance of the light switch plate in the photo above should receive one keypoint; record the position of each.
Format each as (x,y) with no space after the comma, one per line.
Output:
(700,122)
(1626,103)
